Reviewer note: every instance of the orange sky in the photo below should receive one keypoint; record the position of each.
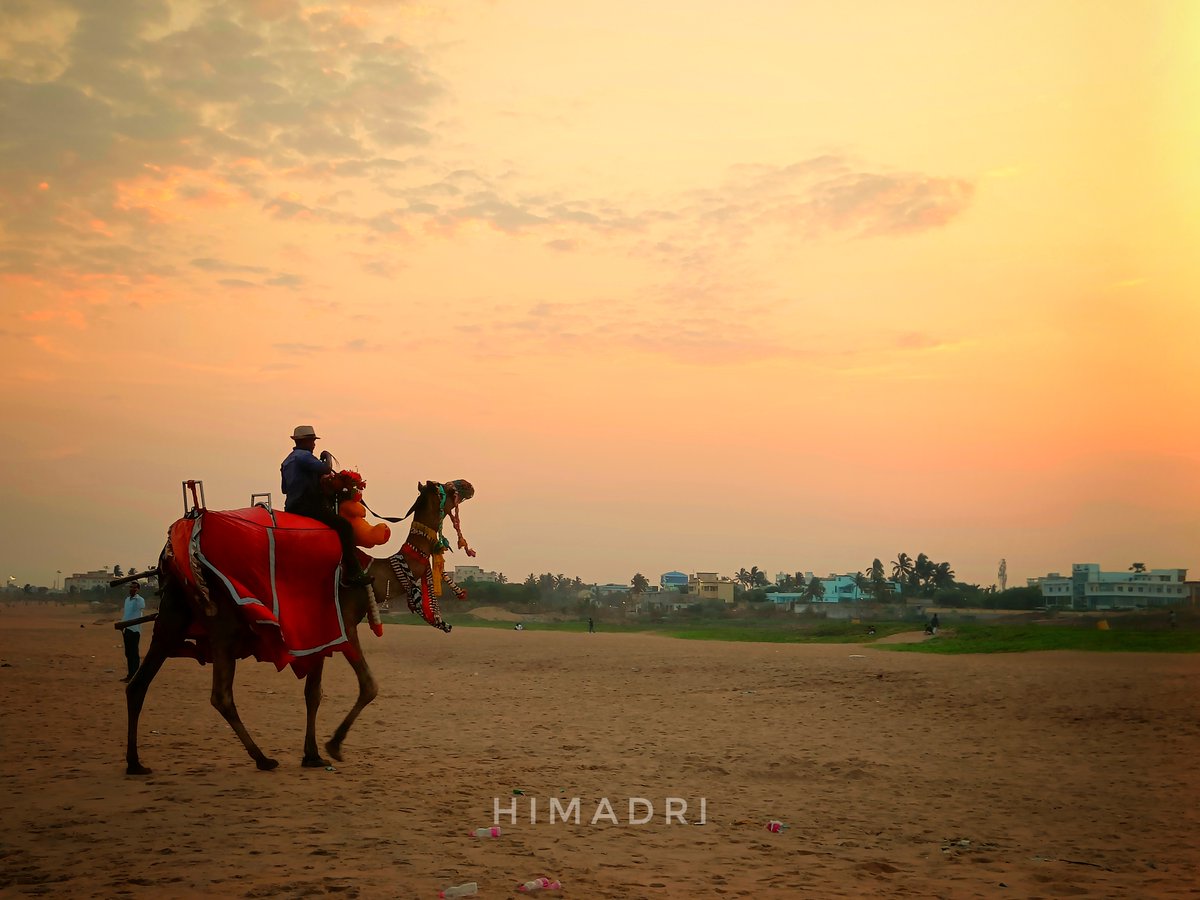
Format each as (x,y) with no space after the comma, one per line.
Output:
(760,284)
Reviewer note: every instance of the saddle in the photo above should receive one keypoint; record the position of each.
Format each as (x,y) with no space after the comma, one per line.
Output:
(282,572)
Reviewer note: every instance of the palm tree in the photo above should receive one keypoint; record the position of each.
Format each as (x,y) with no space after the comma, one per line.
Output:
(876,572)
(501,579)
(742,577)
(1137,568)
(902,568)
(757,578)
(922,571)
(639,583)
(943,575)
(561,584)
(861,582)
(814,591)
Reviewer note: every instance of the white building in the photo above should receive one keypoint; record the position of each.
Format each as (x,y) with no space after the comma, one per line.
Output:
(462,573)
(838,589)
(845,589)
(1090,588)
(86,581)
(604,590)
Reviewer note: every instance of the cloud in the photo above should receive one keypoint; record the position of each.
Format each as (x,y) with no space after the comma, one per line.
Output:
(870,204)
(220,265)
(138,131)
(916,341)
(298,348)
(95,95)
(826,196)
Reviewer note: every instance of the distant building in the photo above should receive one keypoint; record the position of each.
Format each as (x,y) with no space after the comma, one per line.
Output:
(670,600)
(462,573)
(613,588)
(672,580)
(86,581)
(710,586)
(843,589)
(1088,587)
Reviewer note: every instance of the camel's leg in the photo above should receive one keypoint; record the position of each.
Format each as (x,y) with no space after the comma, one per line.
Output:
(170,629)
(312,700)
(367,690)
(224,665)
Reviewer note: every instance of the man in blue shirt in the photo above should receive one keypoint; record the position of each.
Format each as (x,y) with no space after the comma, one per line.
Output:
(135,607)
(301,483)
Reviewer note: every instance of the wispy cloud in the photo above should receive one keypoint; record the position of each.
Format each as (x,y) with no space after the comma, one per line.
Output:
(220,265)
(138,132)
(96,97)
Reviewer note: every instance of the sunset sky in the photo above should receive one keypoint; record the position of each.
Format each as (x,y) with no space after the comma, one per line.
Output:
(676,286)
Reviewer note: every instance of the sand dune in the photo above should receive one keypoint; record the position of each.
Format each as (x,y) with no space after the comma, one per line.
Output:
(1034,775)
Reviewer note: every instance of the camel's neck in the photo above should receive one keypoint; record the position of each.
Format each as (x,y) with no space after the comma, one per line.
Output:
(422,540)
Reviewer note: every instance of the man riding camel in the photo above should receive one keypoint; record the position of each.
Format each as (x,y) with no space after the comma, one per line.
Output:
(302,473)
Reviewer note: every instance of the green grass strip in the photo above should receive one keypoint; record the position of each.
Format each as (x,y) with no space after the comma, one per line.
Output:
(1027,638)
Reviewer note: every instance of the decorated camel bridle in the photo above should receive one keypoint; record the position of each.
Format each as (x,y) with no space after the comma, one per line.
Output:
(424,591)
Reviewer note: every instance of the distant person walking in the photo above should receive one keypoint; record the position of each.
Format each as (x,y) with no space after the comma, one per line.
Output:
(1171,619)
(135,608)
(933,623)
(592,625)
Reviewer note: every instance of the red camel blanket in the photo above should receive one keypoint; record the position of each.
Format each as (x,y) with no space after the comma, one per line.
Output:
(283,575)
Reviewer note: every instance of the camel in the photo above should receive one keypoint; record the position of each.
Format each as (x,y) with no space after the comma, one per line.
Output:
(228,634)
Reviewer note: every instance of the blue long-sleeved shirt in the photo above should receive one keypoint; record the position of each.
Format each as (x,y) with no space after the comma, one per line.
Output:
(301,481)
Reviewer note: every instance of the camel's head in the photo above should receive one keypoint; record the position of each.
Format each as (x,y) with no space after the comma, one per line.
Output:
(435,499)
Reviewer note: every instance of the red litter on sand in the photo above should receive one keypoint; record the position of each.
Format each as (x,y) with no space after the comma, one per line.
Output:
(775,826)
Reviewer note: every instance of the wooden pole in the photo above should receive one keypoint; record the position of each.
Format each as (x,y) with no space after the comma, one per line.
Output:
(120,626)
(149,573)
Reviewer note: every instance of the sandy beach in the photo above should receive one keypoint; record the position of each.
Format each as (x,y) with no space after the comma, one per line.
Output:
(897,774)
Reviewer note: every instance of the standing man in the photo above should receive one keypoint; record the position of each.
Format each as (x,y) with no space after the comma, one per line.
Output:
(591,626)
(301,472)
(135,608)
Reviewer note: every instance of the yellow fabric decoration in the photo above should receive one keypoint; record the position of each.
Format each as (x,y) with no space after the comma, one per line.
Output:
(438,562)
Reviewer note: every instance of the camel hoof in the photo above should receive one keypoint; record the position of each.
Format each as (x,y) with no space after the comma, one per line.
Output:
(136,769)
(314,762)
(334,750)
(266,763)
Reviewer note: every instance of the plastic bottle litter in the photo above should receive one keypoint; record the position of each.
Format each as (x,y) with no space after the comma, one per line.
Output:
(539,884)
(494,831)
(775,826)
(470,889)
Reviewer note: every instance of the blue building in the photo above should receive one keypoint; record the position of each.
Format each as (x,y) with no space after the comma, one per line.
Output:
(672,580)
